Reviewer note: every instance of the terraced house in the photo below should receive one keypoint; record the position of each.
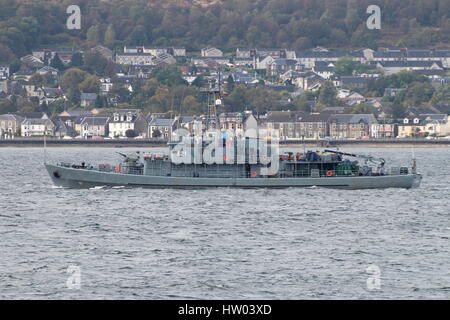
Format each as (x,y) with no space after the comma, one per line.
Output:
(297,125)
(351,126)
(10,125)
(37,127)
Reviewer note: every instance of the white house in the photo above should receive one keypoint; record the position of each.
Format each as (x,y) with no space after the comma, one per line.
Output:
(127,119)
(37,127)
(135,58)
(211,52)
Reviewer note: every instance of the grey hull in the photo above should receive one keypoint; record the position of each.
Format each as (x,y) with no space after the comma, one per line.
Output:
(81,178)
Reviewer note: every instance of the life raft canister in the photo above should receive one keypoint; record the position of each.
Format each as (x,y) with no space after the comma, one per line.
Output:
(117,169)
(254,174)
(330,173)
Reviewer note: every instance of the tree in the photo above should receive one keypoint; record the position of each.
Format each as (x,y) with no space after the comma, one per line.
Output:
(95,63)
(37,80)
(191,106)
(93,36)
(101,102)
(237,99)
(6,106)
(91,84)
(418,93)
(344,66)
(57,63)
(199,82)
(230,84)
(362,109)
(72,78)
(396,110)
(130,133)
(169,75)
(156,133)
(77,60)
(6,54)
(74,96)
(110,35)
(138,37)
(327,94)
(441,96)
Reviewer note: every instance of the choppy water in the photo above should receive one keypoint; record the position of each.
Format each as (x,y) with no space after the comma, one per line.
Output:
(221,243)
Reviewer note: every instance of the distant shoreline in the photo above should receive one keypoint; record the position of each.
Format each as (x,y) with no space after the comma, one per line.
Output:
(131,143)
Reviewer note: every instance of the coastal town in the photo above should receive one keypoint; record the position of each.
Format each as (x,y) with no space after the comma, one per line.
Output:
(311,95)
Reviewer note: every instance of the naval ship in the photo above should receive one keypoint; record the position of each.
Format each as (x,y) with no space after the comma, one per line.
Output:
(329,169)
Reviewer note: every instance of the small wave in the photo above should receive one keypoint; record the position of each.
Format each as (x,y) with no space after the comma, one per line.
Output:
(97,188)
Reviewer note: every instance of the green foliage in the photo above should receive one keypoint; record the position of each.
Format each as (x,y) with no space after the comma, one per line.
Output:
(345,66)
(362,109)
(57,63)
(418,93)
(77,60)
(95,63)
(441,95)
(72,78)
(299,24)
(90,84)
(74,96)
(6,106)
(199,81)
(169,75)
(398,80)
(130,133)
(327,94)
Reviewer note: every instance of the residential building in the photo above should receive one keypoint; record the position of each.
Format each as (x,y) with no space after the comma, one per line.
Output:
(351,126)
(409,127)
(88,99)
(162,128)
(94,127)
(391,67)
(48,70)
(211,52)
(309,81)
(75,113)
(105,86)
(312,126)
(263,62)
(281,65)
(383,130)
(350,97)
(164,58)
(32,62)
(283,124)
(10,125)
(135,58)
(4,72)
(245,53)
(123,120)
(64,127)
(211,62)
(309,58)
(37,127)
(105,52)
